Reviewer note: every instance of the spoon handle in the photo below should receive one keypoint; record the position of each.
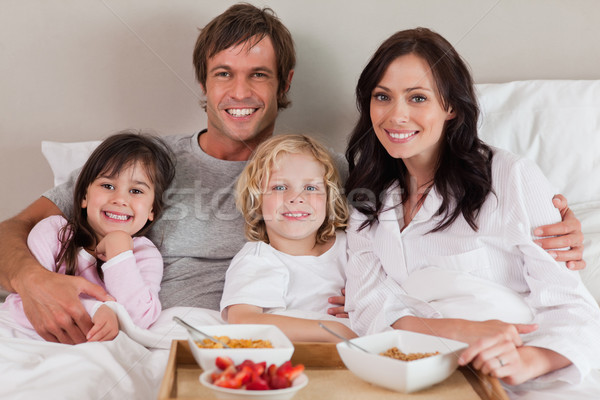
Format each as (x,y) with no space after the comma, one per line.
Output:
(194,331)
(343,338)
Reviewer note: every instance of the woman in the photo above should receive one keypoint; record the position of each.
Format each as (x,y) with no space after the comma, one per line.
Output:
(440,237)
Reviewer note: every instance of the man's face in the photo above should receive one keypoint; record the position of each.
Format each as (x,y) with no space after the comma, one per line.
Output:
(241,94)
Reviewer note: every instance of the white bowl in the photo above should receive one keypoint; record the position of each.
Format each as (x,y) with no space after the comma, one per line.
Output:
(281,352)
(276,394)
(401,376)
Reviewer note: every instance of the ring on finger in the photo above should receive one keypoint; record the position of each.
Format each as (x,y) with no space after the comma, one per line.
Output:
(500,361)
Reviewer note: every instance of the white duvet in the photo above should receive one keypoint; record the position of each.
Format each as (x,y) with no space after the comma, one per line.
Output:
(129,367)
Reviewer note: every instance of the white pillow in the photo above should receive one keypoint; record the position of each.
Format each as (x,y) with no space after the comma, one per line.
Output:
(64,158)
(555,123)
(589,215)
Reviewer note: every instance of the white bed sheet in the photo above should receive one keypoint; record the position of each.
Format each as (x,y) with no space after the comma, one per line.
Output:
(129,367)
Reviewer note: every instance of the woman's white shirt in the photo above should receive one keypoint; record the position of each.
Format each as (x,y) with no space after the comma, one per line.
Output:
(460,273)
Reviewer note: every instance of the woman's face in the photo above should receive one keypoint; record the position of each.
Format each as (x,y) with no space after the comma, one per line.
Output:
(406,112)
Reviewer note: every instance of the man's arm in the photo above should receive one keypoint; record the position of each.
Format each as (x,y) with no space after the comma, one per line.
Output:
(50,300)
(564,234)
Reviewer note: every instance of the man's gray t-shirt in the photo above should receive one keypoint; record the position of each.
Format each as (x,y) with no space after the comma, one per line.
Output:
(200,230)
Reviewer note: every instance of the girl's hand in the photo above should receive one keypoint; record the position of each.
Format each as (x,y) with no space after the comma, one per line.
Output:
(106,325)
(113,244)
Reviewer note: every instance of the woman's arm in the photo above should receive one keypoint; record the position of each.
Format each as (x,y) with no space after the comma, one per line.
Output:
(464,330)
(296,329)
(567,315)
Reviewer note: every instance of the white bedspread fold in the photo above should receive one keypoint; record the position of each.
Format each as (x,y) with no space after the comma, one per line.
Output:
(129,367)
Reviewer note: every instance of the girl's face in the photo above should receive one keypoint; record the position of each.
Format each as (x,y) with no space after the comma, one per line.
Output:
(294,202)
(120,203)
(406,113)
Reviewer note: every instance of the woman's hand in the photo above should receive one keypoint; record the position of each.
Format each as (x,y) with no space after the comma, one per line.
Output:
(566,233)
(106,325)
(499,357)
(338,302)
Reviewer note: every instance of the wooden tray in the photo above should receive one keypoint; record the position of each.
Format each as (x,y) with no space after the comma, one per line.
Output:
(328,379)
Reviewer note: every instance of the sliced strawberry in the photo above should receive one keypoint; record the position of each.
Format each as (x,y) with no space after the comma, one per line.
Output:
(257,384)
(272,370)
(260,367)
(229,383)
(230,371)
(245,374)
(279,382)
(215,375)
(222,362)
(288,371)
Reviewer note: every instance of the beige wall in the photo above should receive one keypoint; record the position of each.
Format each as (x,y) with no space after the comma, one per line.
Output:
(74,70)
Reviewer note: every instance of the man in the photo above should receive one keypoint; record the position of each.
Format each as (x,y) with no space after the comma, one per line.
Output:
(244,61)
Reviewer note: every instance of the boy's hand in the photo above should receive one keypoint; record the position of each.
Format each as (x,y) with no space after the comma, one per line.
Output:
(106,325)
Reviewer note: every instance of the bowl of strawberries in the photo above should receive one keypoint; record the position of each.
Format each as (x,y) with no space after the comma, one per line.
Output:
(256,380)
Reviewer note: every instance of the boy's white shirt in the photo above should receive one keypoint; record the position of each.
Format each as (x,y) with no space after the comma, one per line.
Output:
(283,284)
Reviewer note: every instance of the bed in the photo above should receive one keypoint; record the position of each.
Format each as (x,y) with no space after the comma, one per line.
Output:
(555,123)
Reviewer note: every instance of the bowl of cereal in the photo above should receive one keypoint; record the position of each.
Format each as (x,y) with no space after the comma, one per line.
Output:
(400,360)
(246,341)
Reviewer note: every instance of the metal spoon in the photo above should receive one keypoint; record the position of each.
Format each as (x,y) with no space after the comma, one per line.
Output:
(343,338)
(195,332)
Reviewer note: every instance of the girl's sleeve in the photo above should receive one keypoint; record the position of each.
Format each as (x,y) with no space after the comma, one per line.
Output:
(256,279)
(133,279)
(43,241)
(374,300)
(567,314)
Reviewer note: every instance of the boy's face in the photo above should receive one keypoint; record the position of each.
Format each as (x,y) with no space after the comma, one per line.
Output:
(241,94)
(294,202)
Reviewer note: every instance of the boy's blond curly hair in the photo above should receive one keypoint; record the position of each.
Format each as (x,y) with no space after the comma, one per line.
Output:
(251,184)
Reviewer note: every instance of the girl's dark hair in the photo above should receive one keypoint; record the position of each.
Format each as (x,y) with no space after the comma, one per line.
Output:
(463,171)
(114,154)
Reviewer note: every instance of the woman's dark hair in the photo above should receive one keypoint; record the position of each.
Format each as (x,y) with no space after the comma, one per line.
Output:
(463,172)
(114,154)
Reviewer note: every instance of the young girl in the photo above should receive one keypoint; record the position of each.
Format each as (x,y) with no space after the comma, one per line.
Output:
(444,244)
(290,197)
(119,193)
